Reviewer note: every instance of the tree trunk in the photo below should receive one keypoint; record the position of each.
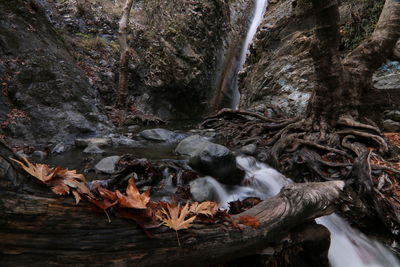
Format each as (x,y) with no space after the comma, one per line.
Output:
(122,92)
(341,84)
(37,228)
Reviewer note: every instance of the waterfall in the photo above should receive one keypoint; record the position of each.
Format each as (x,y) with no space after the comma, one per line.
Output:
(259,9)
(227,91)
(348,247)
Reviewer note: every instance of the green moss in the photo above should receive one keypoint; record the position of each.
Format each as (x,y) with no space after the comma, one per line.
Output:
(90,42)
(361,25)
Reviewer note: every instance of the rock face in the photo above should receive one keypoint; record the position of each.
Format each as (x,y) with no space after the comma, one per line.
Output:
(181,47)
(45,95)
(217,161)
(278,76)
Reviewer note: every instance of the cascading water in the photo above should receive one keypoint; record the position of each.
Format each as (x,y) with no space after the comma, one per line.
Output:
(259,9)
(349,247)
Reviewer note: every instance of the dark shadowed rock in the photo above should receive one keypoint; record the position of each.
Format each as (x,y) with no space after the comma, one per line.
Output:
(218,162)
(107,165)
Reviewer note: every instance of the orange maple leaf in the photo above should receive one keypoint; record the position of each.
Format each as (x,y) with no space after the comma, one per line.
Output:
(206,208)
(40,171)
(174,217)
(133,198)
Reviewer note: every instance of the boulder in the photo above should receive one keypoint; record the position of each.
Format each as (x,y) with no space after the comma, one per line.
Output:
(107,165)
(161,135)
(190,144)
(217,161)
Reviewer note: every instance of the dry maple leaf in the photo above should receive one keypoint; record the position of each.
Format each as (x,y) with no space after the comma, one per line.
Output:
(250,221)
(206,208)
(40,171)
(60,181)
(174,217)
(133,198)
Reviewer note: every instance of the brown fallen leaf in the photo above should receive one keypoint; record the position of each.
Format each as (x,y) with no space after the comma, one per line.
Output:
(40,171)
(250,221)
(61,181)
(174,218)
(207,208)
(133,198)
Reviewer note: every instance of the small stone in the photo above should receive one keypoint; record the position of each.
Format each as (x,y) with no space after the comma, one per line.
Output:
(391,126)
(59,148)
(392,115)
(85,142)
(39,154)
(93,149)
(21,154)
(249,149)
(107,165)
(161,135)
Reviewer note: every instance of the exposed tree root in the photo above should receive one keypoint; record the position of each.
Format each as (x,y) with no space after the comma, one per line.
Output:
(310,150)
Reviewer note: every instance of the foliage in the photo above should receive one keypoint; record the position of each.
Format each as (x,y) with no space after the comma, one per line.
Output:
(61,181)
(361,24)
(130,204)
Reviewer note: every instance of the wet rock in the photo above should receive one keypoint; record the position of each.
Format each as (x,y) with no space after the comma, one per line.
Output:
(107,165)
(218,162)
(59,148)
(161,135)
(120,140)
(203,190)
(249,149)
(190,144)
(100,142)
(93,149)
(391,126)
(39,155)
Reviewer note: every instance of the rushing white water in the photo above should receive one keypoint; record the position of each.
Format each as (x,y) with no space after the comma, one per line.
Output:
(349,247)
(258,14)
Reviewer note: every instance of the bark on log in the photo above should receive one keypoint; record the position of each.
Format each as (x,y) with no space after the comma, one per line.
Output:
(38,228)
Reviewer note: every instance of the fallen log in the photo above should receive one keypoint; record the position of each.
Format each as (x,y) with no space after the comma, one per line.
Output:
(38,228)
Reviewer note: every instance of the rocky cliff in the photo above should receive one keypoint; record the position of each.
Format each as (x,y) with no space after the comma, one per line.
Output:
(278,75)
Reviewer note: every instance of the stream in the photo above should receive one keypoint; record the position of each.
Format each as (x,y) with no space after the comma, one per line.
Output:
(349,247)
